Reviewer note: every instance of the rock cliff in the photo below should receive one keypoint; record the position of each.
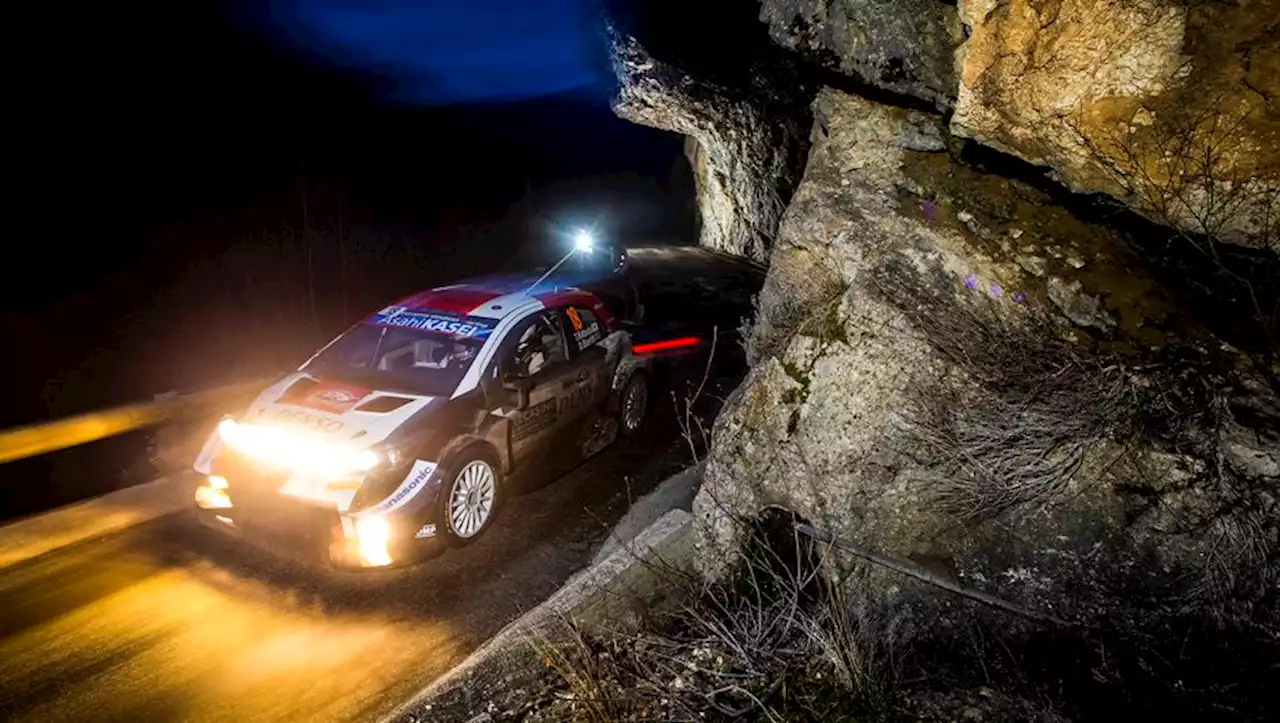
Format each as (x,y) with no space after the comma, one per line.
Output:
(950,366)
(959,360)
(1169,106)
(904,47)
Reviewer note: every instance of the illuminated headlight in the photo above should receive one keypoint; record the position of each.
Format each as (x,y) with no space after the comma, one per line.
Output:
(285,448)
(213,494)
(373,535)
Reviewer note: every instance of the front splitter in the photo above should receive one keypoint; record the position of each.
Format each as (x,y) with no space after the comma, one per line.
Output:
(318,542)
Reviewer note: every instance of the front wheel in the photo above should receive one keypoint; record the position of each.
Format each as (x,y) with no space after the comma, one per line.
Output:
(633,404)
(470,499)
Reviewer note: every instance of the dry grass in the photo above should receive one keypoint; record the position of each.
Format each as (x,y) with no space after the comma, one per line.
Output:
(1025,407)
(1023,442)
(1027,414)
(1020,422)
(774,644)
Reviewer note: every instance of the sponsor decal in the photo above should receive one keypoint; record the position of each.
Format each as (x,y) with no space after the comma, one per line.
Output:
(535,419)
(297,417)
(406,318)
(336,398)
(577,397)
(412,485)
(327,397)
(427,530)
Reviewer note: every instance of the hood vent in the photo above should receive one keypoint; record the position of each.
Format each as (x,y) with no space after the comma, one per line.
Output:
(382,405)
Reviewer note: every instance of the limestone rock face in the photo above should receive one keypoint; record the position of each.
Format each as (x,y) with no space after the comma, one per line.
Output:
(1168,106)
(746,145)
(904,46)
(948,366)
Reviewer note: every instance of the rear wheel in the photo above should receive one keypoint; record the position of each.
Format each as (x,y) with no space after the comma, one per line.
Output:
(471,497)
(633,404)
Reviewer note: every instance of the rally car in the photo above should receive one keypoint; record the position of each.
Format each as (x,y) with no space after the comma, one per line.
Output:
(405,434)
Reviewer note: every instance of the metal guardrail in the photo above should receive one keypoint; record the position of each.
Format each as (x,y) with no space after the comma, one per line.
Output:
(36,439)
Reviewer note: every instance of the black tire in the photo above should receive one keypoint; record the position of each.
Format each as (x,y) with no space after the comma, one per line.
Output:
(454,475)
(629,425)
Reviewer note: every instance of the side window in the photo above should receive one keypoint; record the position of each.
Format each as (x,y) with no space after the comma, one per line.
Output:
(539,345)
(584,327)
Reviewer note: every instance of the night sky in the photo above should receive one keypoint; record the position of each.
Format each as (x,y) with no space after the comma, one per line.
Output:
(149,140)
(435,53)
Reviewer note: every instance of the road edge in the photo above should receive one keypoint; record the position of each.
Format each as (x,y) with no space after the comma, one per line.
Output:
(610,591)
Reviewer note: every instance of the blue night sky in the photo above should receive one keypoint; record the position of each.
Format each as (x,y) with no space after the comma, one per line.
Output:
(443,52)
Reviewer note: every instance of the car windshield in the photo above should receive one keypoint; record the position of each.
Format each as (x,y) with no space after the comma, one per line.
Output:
(415,360)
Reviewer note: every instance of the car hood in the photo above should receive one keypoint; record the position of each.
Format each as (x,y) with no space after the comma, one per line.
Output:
(333,409)
(357,415)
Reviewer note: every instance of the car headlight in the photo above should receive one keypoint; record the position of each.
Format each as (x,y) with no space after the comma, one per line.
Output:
(286,448)
(364,460)
(212,495)
(373,535)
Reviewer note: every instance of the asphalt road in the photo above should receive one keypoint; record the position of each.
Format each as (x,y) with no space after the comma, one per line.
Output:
(169,621)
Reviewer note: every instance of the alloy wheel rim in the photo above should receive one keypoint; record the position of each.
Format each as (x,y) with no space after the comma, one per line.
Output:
(633,404)
(471,501)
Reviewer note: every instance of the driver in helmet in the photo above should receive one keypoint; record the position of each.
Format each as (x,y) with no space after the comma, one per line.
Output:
(531,352)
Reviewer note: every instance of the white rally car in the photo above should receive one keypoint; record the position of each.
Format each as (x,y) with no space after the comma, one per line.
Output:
(405,433)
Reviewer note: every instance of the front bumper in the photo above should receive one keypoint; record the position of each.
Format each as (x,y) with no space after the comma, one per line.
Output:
(302,534)
(314,532)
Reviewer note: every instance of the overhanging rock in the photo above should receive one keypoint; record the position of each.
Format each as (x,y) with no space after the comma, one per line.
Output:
(746,145)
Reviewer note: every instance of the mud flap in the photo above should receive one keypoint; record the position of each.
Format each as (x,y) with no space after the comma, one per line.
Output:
(600,433)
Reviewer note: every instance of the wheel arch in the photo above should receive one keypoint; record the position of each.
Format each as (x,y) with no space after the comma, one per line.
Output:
(462,444)
(615,395)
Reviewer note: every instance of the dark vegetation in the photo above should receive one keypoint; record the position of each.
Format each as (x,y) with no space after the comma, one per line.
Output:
(780,641)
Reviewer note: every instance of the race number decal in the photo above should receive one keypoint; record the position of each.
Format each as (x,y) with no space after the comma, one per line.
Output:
(584,334)
(588,336)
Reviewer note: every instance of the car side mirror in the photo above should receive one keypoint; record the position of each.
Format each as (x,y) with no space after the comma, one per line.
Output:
(494,388)
(501,389)
(517,391)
